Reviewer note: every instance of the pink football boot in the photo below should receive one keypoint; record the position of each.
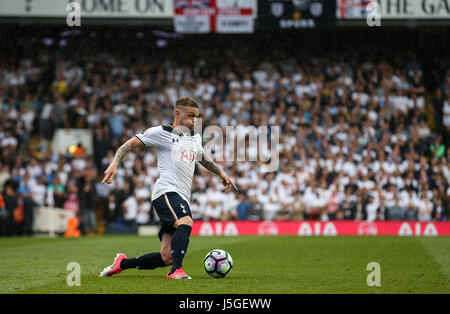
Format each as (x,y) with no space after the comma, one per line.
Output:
(115,267)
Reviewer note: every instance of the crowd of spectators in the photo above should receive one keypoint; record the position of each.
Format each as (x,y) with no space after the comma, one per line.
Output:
(356,140)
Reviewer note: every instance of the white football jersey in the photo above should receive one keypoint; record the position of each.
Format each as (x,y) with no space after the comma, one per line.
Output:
(177,154)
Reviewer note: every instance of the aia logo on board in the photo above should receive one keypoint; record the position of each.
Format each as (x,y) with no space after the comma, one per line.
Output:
(268,228)
(367,228)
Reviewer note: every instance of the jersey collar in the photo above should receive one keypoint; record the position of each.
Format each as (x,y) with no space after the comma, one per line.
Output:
(174,129)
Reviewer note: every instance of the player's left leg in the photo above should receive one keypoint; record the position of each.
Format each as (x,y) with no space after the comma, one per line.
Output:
(179,246)
(148,261)
(121,262)
(152,260)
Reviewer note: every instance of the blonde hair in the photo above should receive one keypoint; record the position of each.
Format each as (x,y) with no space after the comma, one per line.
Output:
(185,101)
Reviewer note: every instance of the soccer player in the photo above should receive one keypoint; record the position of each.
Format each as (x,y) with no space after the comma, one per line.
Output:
(178,148)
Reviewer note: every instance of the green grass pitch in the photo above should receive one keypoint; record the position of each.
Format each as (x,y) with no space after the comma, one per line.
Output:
(263,264)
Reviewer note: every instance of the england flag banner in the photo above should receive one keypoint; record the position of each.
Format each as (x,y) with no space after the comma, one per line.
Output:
(214,16)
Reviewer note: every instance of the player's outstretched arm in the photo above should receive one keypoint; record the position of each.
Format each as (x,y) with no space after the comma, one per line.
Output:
(123,150)
(209,164)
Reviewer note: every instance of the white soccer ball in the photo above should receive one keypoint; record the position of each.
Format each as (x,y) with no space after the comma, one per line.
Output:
(218,263)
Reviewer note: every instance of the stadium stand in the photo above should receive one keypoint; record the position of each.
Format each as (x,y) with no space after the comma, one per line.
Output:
(364,135)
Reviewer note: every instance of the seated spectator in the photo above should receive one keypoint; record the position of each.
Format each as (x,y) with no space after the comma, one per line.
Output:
(4,175)
(242,207)
(372,208)
(411,213)
(272,206)
(395,212)
(197,209)
(143,210)
(445,197)
(10,202)
(111,209)
(438,209)
(72,204)
(348,205)
(29,207)
(230,204)
(56,193)
(130,210)
(424,208)
(333,204)
(255,209)
(409,202)
(214,203)
(284,214)
(298,208)
(315,201)
(87,201)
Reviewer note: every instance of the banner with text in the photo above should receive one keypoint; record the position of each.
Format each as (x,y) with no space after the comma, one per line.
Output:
(295,14)
(88,8)
(321,228)
(214,16)
(394,9)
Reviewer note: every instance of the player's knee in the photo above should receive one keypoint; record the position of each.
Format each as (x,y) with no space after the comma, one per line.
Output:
(186,220)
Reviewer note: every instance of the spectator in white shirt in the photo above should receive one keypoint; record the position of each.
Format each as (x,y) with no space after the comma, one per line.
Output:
(9,141)
(409,201)
(424,207)
(130,208)
(372,209)
(143,210)
(197,210)
(214,203)
(39,192)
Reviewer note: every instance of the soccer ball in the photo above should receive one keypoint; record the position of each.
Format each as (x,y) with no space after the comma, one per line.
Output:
(218,263)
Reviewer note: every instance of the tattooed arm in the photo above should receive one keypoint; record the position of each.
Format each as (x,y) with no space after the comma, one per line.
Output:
(123,150)
(209,164)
